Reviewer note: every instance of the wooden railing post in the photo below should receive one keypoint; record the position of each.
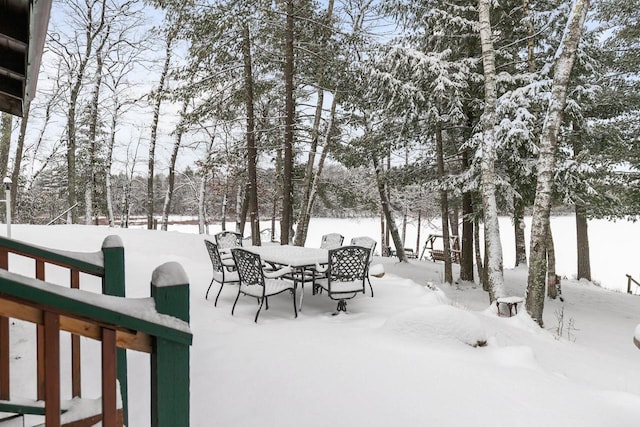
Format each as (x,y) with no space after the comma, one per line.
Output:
(113,283)
(76,372)
(109,393)
(170,360)
(52,369)
(4,340)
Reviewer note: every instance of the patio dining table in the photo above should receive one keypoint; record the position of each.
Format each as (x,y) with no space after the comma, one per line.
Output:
(299,258)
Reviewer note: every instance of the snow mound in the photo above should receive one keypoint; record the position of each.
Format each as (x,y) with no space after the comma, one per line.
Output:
(376,270)
(439,323)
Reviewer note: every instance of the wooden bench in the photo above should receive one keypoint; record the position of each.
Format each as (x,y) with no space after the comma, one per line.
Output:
(510,302)
(438,254)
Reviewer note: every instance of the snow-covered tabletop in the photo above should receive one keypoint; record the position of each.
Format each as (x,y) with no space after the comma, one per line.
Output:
(293,256)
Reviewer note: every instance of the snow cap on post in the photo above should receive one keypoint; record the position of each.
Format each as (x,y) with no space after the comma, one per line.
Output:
(170,290)
(112,241)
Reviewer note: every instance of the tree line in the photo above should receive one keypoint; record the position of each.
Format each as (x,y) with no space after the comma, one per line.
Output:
(288,109)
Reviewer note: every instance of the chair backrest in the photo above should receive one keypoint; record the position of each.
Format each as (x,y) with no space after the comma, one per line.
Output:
(228,239)
(331,241)
(348,263)
(365,242)
(216,261)
(249,267)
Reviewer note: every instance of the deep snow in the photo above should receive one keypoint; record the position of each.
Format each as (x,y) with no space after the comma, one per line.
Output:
(419,353)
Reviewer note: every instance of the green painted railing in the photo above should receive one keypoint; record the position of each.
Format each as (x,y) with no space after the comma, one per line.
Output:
(162,330)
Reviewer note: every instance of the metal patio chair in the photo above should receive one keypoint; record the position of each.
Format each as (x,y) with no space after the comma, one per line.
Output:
(345,274)
(228,240)
(222,271)
(258,283)
(366,242)
(331,241)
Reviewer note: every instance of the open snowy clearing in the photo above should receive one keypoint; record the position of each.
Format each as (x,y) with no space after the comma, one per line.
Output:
(409,356)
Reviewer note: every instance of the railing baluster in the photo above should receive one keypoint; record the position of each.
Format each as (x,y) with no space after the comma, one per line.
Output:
(4,339)
(40,352)
(76,374)
(52,369)
(4,358)
(109,394)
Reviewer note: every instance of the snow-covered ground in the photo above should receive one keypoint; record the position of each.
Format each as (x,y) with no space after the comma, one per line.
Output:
(407,357)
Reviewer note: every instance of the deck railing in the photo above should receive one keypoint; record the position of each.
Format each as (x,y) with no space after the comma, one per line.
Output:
(109,318)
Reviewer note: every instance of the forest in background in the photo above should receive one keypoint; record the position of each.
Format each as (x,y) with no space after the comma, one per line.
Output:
(247,110)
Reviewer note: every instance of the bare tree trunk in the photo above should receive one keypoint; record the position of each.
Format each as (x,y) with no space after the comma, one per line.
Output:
(252,154)
(172,167)
(386,209)
(582,239)
(90,182)
(108,164)
(547,159)
(466,253)
(518,228)
(303,220)
(5,142)
(17,162)
(126,202)
(91,32)
(418,232)
(244,210)
(479,261)
(552,285)
(384,248)
(444,206)
(289,116)
(493,246)
(157,98)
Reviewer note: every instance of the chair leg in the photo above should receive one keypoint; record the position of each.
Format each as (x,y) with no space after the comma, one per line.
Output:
(235,302)
(370,287)
(342,306)
(258,312)
(295,311)
(215,304)
(207,294)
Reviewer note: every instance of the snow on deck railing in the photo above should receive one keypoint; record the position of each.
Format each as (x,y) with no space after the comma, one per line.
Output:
(158,325)
(108,264)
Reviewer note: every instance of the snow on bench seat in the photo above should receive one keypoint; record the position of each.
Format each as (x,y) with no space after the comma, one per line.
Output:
(510,302)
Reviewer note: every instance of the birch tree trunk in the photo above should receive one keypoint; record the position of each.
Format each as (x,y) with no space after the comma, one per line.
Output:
(202,194)
(493,247)
(547,159)
(157,97)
